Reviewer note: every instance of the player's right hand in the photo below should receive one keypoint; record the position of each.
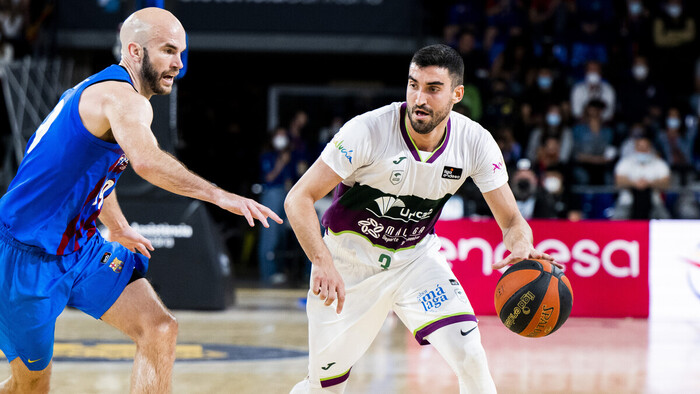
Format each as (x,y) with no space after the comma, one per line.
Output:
(250,209)
(328,285)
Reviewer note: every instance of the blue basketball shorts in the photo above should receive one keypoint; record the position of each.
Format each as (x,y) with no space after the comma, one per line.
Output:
(35,287)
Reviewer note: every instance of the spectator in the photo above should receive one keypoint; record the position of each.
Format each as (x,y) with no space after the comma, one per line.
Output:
(641,177)
(593,148)
(635,30)
(553,127)
(277,171)
(510,148)
(548,18)
(546,90)
(635,131)
(641,96)
(512,64)
(674,37)
(13,20)
(593,87)
(504,18)
(591,37)
(676,144)
(500,106)
(463,15)
(476,61)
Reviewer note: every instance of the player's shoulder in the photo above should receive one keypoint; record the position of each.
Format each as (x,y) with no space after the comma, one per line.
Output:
(467,129)
(376,122)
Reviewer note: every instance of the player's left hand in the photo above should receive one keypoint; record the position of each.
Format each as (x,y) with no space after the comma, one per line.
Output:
(132,240)
(523,253)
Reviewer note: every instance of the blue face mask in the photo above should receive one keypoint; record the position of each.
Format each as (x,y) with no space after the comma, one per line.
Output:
(674,10)
(635,8)
(553,119)
(544,82)
(673,123)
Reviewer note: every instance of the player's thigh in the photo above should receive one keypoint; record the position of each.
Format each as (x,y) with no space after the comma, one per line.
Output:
(430,297)
(35,290)
(337,341)
(137,310)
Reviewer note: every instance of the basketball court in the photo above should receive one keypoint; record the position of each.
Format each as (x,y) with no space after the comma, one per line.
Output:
(260,346)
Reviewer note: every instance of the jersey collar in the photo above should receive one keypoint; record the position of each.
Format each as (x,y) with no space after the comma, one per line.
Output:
(412,146)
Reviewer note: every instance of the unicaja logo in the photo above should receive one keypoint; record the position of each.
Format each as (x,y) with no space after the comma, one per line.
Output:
(341,148)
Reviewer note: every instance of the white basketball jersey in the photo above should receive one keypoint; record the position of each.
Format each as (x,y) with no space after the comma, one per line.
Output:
(386,207)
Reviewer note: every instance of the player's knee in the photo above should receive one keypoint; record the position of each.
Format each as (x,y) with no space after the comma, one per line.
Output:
(474,355)
(163,329)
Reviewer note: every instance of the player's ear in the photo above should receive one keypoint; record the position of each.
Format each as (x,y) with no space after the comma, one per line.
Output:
(135,51)
(457,94)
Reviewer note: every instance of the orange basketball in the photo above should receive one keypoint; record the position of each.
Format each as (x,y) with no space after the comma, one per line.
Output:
(533,298)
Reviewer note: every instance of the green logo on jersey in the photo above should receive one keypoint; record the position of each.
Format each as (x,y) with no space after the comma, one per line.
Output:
(399,160)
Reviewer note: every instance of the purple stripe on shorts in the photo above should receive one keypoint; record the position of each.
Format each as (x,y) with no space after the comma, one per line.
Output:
(427,330)
(336,380)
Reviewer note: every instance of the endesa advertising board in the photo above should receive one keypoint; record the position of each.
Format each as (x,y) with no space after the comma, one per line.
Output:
(606,262)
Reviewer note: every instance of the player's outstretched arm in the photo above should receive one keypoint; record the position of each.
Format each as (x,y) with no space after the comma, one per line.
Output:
(517,234)
(130,115)
(119,228)
(316,182)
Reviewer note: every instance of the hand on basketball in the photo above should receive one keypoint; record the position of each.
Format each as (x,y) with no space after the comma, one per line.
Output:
(523,253)
(132,240)
(328,285)
(250,209)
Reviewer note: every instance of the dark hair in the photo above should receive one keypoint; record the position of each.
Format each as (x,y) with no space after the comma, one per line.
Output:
(442,56)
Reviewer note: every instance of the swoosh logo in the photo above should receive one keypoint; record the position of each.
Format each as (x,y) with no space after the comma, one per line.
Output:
(464,334)
(399,160)
(327,366)
(33,361)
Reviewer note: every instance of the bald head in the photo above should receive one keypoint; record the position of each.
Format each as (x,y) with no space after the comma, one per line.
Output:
(148,24)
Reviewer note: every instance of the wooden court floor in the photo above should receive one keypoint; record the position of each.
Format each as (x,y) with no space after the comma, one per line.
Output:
(259,346)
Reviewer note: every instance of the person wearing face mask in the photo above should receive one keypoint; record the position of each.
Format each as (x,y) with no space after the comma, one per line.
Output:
(641,96)
(552,126)
(277,173)
(676,144)
(593,87)
(675,41)
(641,177)
(635,29)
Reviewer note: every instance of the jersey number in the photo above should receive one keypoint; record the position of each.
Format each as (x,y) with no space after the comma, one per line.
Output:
(44,127)
(385,260)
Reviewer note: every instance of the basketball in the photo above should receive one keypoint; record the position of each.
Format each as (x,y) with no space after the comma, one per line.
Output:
(533,298)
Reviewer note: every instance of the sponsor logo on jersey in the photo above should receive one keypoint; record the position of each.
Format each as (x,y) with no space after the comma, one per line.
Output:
(432,299)
(343,150)
(387,203)
(371,227)
(105,258)
(451,172)
(454,282)
(461,296)
(396,177)
(497,166)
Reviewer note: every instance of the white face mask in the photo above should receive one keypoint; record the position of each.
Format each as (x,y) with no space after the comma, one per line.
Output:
(552,184)
(640,71)
(674,10)
(593,78)
(673,123)
(279,142)
(643,157)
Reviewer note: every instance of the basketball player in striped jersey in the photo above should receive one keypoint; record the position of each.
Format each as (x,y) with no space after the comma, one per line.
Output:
(51,254)
(393,169)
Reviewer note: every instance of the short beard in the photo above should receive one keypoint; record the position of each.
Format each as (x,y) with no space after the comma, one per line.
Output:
(426,128)
(150,76)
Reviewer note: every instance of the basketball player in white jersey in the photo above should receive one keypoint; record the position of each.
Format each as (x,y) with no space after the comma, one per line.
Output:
(394,169)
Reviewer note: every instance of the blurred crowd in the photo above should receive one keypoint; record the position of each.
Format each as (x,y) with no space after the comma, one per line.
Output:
(594,103)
